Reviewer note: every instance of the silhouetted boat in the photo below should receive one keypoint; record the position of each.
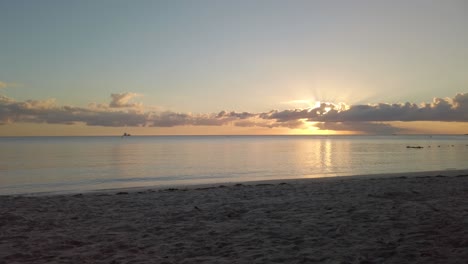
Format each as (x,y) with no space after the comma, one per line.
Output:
(126,134)
(415,147)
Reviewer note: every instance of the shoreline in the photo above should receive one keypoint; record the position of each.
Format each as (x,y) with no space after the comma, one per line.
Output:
(448,172)
(421,218)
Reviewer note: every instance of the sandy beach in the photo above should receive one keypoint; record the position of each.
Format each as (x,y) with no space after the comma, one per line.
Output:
(398,219)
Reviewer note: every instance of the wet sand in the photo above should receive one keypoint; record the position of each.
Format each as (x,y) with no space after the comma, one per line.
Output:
(398,219)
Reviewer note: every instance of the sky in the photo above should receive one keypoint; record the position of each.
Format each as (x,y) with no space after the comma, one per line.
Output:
(233,67)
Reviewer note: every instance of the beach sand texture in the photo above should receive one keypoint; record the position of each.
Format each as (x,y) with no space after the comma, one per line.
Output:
(372,220)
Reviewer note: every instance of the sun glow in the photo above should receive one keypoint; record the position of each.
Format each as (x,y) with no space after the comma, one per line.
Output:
(321,107)
(312,129)
(325,107)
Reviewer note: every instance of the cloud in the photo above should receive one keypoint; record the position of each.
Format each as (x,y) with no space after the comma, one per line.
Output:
(4,99)
(120,100)
(328,116)
(4,85)
(169,119)
(47,111)
(441,109)
(232,114)
(460,101)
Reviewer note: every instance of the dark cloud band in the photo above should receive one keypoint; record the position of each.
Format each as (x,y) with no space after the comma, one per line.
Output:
(121,112)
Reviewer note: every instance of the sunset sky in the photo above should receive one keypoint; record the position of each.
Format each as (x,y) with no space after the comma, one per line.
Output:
(233,67)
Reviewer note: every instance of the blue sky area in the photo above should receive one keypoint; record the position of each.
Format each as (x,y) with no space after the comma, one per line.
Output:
(255,56)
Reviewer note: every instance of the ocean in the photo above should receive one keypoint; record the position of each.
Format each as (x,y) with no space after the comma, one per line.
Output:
(73,164)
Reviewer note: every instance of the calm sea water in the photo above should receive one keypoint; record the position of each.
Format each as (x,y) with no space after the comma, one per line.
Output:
(62,164)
